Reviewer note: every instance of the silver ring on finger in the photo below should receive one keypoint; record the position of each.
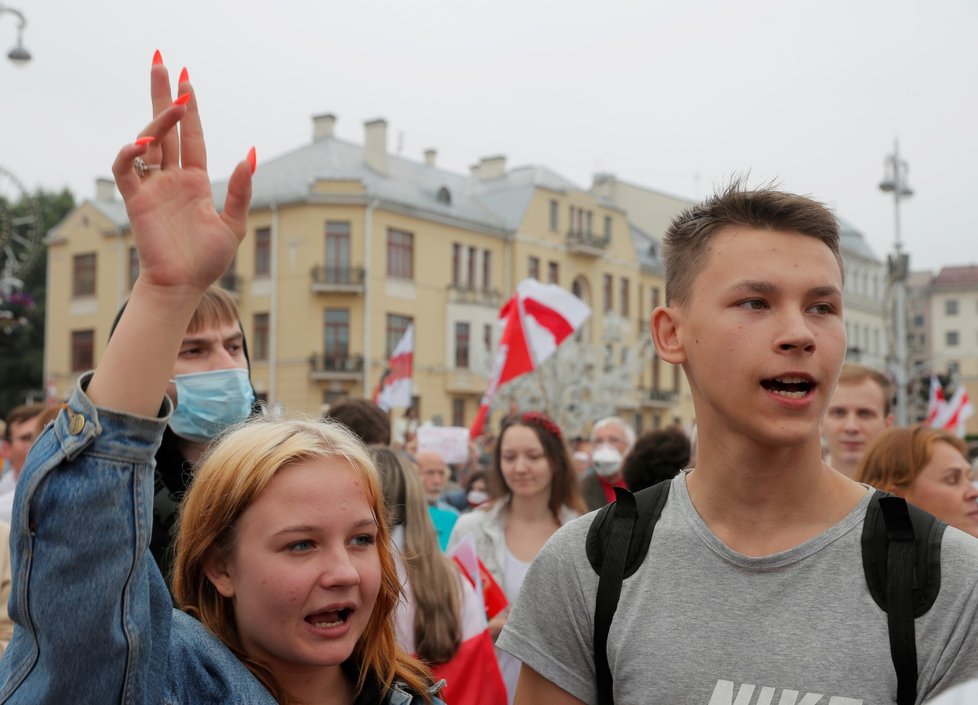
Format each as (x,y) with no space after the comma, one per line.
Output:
(141,168)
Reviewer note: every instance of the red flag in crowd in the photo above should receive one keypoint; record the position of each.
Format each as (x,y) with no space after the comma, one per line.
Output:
(935,400)
(957,410)
(395,386)
(537,319)
(951,414)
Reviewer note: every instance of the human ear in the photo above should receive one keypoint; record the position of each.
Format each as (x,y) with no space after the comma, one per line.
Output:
(667,335)
(218,571)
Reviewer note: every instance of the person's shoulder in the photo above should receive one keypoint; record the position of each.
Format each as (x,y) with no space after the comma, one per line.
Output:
(471,521)
(959,551)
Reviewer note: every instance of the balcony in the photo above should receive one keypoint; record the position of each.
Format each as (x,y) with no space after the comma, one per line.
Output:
(587,244)
(335,367)
(463,294)
(337,280)
(660,398)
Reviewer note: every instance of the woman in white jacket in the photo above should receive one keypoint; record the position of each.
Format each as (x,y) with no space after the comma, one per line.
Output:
(536,492)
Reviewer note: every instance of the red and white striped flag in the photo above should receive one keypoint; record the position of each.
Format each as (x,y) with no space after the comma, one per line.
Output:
(935,401)
(396,386)
(957,410)
(537,319)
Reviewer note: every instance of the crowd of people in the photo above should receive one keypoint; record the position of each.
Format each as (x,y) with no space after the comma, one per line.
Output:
(170,543)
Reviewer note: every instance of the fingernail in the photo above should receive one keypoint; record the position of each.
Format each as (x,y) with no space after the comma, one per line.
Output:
(184,76)
(253,159)
(145,140)
(157,58)
(182,100)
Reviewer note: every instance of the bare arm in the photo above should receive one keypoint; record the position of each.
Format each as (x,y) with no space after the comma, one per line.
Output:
(532,689)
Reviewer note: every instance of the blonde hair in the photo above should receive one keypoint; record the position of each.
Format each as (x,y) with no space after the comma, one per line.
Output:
(231,476)
(433,578)
(898,455)
(216,308)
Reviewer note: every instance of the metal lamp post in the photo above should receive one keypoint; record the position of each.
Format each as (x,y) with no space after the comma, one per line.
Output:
(895,182)
(18,55)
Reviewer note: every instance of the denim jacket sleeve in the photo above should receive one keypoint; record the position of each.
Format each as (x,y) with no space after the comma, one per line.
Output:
(91,611)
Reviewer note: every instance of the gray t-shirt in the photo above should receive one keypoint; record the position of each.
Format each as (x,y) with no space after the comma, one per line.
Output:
(699,624)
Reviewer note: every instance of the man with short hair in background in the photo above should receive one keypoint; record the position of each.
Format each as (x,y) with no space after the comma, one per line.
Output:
(434,474)
(19,436)
(860,409)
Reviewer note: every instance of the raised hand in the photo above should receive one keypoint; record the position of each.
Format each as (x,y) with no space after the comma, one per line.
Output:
(181,239)
(184,245)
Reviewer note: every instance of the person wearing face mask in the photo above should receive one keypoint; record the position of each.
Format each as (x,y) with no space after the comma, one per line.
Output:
(611,439)
(211,388)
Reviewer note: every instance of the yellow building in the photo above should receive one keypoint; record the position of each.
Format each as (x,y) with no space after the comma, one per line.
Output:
(347,245)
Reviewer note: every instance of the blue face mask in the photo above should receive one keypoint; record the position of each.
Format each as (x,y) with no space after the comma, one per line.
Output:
(209,402)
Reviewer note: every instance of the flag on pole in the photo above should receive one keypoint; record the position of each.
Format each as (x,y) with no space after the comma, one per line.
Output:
(957,410)
(537,319)
(396,383)
(935,400)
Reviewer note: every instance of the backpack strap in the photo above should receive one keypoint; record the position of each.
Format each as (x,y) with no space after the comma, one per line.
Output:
(901,550)
(617,543)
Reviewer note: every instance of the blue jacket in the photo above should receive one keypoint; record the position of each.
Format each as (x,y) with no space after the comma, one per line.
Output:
(93,618)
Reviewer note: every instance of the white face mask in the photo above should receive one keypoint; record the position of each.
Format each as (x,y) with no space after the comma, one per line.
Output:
(476,497)
(606,459)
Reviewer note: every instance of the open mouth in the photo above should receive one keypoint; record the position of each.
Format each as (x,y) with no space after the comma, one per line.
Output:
(789,387)
(332,618)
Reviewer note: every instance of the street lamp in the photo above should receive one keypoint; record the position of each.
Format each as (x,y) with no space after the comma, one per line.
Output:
(895,182)
(18,55)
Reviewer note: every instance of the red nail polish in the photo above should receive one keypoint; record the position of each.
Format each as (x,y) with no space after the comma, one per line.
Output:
(157,58)
(145,140)
(182,99)
(184,77)
(253,159)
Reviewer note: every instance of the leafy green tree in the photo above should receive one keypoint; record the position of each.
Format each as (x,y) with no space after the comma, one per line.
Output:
(22,315)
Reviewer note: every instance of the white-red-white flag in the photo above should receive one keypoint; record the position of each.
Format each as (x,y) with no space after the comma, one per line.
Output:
(957,411)
(935,401)
(537,319)
(396,387)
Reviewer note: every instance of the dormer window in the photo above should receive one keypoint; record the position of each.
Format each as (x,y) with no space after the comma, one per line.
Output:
(444,196)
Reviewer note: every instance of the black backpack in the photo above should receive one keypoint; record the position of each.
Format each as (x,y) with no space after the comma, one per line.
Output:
(901,549)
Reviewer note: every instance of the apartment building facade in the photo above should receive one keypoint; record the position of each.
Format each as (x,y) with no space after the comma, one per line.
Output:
(348,245)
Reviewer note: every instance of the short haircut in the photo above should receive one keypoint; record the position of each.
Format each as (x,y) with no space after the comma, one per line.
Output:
(216,308)
(615,421)
(364,418)
(20,414)
(854,374)
(687,240)
(897,456)
(656,456)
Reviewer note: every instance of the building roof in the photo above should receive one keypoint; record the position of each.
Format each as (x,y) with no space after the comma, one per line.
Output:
(647,247)
(852,242)
(958,277)
(498,204)
(113,210)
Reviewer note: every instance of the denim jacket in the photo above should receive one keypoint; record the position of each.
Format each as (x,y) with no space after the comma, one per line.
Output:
(94,620)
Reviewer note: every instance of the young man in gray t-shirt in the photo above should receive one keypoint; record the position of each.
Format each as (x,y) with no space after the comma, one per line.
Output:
(752,592)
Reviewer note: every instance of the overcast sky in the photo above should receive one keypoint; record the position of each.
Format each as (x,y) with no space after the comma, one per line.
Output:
(675,95)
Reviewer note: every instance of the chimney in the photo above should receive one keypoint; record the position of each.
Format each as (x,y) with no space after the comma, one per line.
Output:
(490,167)
(429,156)
(322,126)
(375,145)
(104,190)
